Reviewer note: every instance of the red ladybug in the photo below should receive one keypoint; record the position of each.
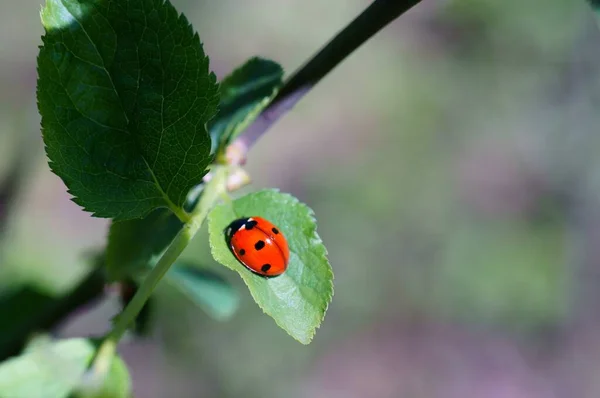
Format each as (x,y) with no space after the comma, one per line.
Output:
(258,245)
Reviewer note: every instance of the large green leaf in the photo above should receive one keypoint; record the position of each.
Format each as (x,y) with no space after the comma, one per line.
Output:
(298,299)
(56,370)
(244,94)
(125,92)
(207,290)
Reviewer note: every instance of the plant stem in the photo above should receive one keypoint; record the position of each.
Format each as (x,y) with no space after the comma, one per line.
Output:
(180,213)
(378,15)
(210,197)
(126,318)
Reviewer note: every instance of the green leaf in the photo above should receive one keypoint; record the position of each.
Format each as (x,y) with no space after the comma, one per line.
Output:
(298,299)
(208,290)
(125,92)
(244,94)
(19,309)
(135,244)
(116,385)
(29,308)
(595,4)
(56,370)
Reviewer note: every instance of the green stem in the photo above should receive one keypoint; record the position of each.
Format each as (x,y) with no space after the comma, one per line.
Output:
(180,213)
(209,198)
(126,318)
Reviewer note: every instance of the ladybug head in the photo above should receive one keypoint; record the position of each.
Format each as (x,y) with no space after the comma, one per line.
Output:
(233,227)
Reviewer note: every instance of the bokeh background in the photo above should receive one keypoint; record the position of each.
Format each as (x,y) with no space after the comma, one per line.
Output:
(453,165)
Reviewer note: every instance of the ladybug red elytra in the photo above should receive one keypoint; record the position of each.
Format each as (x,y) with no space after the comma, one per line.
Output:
(258,245)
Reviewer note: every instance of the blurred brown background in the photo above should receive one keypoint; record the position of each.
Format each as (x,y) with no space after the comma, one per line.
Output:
(453,165)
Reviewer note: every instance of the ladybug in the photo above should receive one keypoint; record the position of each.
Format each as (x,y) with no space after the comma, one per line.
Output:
(258,245)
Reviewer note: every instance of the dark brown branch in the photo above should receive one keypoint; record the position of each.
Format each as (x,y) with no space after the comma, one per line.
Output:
(378,15)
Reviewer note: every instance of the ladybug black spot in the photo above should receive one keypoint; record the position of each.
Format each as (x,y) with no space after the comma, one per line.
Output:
(275,230)
(265,267)
(251,224)
(242,252)
(259,245)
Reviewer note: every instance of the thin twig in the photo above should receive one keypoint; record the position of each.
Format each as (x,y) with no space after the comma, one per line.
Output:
(378,15)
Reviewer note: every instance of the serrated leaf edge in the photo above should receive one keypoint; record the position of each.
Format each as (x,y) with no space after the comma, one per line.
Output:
(178,210)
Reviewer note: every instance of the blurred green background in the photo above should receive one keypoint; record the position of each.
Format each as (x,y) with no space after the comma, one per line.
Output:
(452,163)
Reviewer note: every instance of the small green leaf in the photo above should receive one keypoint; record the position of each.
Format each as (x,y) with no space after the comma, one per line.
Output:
(135,244)
(298,299)
(125,92)
(56,370)
(244,94)
(117,383)
(208,290)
